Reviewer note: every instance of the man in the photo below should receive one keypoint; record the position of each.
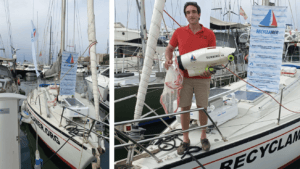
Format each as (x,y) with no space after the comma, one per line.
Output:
(192,37)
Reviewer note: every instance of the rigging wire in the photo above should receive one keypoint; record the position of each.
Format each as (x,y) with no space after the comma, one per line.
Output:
(291,12)
(261,91)
(296,15)
(79,29)
(6,7)
(74,28)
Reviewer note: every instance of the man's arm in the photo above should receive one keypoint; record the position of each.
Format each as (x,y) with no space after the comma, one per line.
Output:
(169,56)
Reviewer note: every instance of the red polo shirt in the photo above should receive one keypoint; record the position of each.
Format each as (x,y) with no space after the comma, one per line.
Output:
(187,42)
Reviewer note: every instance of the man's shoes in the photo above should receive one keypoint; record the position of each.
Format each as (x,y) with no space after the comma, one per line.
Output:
(183,147)
(205,144)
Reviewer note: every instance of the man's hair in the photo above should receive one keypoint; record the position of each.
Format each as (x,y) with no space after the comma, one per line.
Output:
(193,4)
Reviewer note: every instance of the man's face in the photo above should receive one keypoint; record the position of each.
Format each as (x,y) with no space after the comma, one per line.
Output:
(192,15)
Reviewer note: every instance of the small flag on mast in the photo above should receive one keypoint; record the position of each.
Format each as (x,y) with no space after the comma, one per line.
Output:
(243,13)
(40,53)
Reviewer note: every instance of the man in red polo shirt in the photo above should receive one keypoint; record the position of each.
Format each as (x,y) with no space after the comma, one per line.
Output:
(192,37)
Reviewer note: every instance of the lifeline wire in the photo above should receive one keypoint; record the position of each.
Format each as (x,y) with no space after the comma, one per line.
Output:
(260,90)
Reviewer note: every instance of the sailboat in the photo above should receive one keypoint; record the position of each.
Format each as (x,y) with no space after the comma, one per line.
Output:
(127,81)
(68,124)
(246,129)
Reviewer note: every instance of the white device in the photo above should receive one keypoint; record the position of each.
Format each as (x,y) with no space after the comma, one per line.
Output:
(197,61)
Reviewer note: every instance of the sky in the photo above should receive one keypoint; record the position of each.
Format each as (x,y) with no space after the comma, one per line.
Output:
(23,11)
(175,9)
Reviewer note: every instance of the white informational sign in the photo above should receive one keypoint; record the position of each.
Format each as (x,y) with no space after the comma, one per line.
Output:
(266,46)
(68,73)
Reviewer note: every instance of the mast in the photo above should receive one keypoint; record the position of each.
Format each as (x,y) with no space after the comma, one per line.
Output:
(49,60)
(149,56)
(63,16)
(92,39)
(141,8)
(265,2)
(37,28)
(74,28)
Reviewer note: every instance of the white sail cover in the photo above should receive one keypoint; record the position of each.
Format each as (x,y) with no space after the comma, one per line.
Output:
(149,55)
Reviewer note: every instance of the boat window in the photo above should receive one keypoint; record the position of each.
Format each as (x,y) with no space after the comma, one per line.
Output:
(293,50)
(1,84)
(222,39)
(3,73)
(105,73)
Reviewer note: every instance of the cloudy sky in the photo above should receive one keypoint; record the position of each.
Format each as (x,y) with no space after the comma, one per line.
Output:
(23,11)
(126,11)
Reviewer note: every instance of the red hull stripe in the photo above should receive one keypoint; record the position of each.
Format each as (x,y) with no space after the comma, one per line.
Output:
(65,161)
(246,149)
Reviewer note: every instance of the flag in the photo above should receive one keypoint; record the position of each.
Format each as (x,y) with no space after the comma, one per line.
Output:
(33,38)
(33,33)
(242,12)
(40,53)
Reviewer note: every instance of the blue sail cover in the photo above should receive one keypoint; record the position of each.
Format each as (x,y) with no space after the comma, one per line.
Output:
(267,19)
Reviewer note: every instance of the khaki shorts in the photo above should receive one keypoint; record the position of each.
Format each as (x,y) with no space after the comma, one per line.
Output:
(201,89)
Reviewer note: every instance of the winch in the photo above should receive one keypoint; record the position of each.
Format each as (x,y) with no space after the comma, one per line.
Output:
(198,61)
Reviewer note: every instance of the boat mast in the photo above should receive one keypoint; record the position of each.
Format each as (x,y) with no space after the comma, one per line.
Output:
(49,60)
(37,42)
(63,16)
(265,2)
(141,8)
(149,56)
(92,40)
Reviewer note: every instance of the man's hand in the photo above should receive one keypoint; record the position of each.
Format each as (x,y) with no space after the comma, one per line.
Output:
(169,56)
(168,63)
(206,74)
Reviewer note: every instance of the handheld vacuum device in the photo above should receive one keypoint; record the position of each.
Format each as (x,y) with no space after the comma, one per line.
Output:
(201,60)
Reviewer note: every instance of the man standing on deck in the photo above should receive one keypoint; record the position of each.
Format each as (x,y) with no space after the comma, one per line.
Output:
(189,38)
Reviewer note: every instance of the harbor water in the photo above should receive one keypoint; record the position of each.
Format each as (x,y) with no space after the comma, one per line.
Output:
(28,135)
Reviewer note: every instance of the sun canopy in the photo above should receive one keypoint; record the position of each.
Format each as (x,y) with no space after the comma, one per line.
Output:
(218,24)
(6,59)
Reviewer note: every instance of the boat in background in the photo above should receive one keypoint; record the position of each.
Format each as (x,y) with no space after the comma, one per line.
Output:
(103,87)
(69,124)
(81,71)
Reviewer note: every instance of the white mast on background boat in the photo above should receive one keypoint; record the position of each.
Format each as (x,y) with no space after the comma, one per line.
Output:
(149,56)
(92,39)
(63,15)
(265,2)
(141,8)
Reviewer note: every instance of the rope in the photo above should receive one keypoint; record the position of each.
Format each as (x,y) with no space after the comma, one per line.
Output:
(172,18)
(82,145)
(292,12)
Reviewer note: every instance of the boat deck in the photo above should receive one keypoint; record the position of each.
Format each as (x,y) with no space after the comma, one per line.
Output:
(254,118)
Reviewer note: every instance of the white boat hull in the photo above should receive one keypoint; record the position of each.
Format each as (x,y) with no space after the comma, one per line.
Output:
(273,148)
(54,138)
